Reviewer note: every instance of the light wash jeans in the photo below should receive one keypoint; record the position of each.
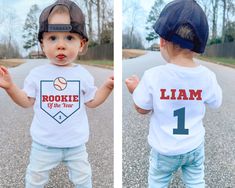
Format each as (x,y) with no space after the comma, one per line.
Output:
(44,158)
(162,167)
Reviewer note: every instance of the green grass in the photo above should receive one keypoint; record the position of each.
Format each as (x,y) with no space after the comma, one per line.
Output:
(229,61)
(102,63)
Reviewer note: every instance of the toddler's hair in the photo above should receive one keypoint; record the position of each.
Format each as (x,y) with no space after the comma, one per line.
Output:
(59,9)
(186,32)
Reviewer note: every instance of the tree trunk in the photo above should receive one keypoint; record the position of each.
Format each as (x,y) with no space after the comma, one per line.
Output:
(98,19)
(90,28)
(223,26)
(214,18)
(103,15)
(88,4)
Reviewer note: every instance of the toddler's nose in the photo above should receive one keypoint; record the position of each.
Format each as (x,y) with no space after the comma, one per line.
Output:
(61,45)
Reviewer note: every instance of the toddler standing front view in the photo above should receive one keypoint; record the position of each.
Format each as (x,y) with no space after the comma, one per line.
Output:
(59,92)
(177,93)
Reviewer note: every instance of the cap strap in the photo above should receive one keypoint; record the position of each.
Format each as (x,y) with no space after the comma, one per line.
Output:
(59,27)
(184,43)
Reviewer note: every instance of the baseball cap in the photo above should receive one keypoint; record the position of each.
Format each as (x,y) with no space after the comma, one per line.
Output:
(77,20)
(183,12)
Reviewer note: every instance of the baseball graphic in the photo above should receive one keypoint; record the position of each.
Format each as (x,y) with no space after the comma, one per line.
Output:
(60,83)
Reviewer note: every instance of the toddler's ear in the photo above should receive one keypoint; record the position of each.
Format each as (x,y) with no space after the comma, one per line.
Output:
(82,45)
(162,42)
(41,45)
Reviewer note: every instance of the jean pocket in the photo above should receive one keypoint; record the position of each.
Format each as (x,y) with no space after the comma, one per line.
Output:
(163,163)
(199,156)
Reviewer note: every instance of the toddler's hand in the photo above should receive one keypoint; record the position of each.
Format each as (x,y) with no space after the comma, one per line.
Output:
(5,78)
(132,83)
(110,82)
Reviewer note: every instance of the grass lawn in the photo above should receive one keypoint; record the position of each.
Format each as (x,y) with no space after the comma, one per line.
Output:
(11,62)
(100,63)
(222,60)
(132,53)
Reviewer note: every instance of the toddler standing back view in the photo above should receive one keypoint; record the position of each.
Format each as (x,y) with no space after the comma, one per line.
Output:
(177,93)
(59,92)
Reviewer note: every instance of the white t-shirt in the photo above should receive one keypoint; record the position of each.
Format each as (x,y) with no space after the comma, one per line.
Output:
(177,96)
(60,118)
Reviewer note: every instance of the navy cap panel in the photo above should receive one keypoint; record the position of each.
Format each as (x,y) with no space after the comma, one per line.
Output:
(182,42)
(178,13)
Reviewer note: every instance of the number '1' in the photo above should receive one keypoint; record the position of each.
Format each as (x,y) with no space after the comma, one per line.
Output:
(181,122)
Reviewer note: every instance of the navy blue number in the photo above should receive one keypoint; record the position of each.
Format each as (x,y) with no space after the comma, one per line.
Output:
(181,122)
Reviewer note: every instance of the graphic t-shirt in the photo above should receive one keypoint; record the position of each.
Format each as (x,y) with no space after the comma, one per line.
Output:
(60,118)
(177,96)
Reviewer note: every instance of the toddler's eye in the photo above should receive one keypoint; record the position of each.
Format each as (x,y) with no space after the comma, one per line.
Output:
(69,37)
(52,38)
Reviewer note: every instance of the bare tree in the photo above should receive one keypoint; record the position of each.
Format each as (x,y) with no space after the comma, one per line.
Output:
(205,6)
(89,7)
(223,23)
(230,9)
(214,17)
(132,41)
(97,4)
(132,18)
(10,21)
(2,14)
(103,5)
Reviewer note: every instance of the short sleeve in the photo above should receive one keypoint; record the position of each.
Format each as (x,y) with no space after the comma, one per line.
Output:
(142,95)
(90,88)
(214,99)
(30,86)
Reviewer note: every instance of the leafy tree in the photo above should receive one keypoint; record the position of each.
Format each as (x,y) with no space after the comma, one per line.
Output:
(30,28)
(216,40)
(107,33)
(152,18)
(9,50)
(229,33)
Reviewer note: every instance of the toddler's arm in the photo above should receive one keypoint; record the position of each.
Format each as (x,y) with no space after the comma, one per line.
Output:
(131,83)
(102,93)
(17,95)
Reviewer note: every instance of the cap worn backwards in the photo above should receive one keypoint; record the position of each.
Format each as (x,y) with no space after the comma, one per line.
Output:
(183,12)
(77,20)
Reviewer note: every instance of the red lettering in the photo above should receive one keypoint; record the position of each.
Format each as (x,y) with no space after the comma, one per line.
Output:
(51,98)
(182,93)
(173,94)
(195,94)
(57,98)
(60,98)
(63,98)
(163,91)
(75,98)
(44,98)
